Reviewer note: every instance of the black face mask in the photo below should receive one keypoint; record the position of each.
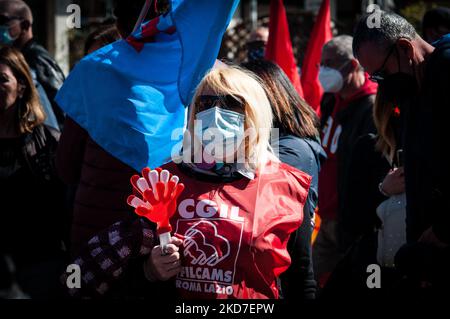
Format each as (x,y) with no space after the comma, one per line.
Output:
(399,88)
(256,50)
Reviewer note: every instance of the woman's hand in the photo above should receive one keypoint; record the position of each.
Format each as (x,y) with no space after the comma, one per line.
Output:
(394,182)
(164,265)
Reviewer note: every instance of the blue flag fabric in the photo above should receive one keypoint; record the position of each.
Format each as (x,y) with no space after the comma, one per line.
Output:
(131,95)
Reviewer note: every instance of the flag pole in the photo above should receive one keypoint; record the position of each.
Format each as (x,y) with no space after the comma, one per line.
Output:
(144,11)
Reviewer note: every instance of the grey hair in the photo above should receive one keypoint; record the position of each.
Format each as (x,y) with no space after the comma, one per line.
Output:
(340,47)
(391,28)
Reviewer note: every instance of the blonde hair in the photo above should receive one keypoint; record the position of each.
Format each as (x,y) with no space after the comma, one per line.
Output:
(243,85)
(383,114)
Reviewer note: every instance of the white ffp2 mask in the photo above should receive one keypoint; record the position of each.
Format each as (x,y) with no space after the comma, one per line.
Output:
(331,79)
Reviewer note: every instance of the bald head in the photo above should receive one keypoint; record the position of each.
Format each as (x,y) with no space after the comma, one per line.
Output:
(17,16)
(16,8)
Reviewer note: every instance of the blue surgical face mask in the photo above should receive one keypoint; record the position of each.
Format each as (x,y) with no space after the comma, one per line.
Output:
(220,129)
(5,36)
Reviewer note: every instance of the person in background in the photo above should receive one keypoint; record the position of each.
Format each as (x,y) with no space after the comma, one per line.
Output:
(299,146)
(90,172)
(415,76)
(16,25)
(128,11)
(392,212)
(435,24)
(375,212)
(104,35)
(346,116)
(32,197)
(50,117)
(256,44)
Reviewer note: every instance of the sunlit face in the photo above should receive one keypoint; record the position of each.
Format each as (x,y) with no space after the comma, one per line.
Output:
(209,99)
(377,60)
(10,88)
(374,58)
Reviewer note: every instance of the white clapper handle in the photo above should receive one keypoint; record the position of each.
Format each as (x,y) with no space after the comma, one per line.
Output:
(164,240)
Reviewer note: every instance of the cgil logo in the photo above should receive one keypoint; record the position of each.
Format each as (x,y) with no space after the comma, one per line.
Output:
(202,248)
(206,208)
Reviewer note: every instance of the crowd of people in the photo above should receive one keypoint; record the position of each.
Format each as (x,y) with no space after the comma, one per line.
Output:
(299,215)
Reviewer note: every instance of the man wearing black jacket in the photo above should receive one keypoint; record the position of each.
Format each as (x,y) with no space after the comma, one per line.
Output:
(16,25)
(416,77)
(346,116)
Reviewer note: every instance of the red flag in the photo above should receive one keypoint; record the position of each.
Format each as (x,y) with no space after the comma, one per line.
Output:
(279,46)
(320,35)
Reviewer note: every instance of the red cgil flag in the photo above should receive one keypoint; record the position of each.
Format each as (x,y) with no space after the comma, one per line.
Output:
(320,35)
(279,46)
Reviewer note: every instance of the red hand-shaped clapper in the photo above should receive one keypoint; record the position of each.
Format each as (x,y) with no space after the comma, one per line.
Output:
(159,191)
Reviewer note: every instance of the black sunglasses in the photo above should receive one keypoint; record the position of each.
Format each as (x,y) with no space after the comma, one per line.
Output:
(227,102)
(379,76)
(4,19)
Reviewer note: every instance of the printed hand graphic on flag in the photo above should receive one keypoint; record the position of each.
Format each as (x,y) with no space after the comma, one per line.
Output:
(159,191)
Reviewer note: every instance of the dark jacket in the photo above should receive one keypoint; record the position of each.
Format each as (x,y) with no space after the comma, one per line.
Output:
(102,184)
(32,197)
(362,196)
(356,121)
(48,73)
(50,119)
(426,136)
(305,155)
(124,277)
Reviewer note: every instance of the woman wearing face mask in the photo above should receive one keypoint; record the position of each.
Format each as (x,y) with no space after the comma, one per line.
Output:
(374,219)
(392,212)
(32,198)
(239,205)
(298,145)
